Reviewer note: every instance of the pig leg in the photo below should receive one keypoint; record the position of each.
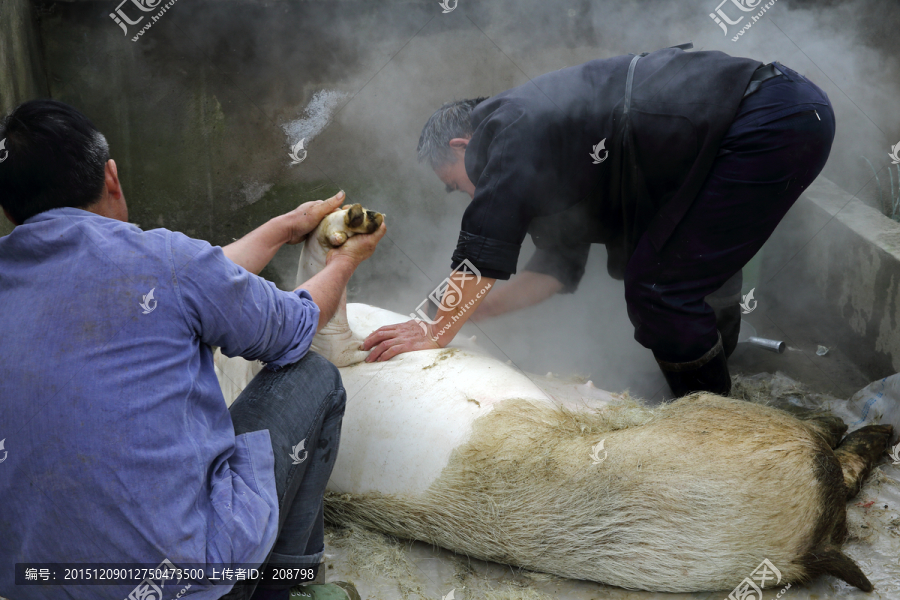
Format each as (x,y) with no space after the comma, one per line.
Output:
(335,341)
(859,452)
(856,455)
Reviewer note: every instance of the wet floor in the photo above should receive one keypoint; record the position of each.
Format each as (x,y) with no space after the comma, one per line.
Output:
(832,373)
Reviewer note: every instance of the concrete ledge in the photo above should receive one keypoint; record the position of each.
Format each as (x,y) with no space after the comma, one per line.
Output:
(833,266)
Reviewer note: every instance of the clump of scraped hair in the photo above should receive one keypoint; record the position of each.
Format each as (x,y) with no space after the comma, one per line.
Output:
(452,120)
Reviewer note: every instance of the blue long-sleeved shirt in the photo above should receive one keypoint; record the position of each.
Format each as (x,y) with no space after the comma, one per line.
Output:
(120,448)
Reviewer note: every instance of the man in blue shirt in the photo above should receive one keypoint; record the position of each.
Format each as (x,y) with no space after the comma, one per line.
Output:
(120,448)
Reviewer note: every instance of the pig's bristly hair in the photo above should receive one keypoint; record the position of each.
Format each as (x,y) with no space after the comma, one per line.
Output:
(689,496)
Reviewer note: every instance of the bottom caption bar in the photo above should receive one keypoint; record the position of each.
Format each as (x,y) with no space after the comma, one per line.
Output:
(165,573)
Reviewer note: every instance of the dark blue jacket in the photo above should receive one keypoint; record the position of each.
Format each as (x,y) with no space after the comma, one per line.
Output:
(533,161)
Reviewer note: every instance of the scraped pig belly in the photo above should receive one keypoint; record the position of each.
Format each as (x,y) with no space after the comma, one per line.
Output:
(404,417)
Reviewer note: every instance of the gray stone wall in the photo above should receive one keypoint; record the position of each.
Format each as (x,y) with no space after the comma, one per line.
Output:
(195,108)
(22,73)
(832,270)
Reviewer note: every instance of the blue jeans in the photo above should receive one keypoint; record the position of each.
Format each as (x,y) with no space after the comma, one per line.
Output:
(302,401)
(776,146)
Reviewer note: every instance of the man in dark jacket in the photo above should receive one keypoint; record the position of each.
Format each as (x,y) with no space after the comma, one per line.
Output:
(682,164)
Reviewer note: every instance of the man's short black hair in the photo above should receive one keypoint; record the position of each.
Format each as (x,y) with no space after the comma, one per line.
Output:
(55,157)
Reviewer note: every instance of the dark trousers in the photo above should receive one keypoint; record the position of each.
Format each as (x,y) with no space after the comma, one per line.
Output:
(303,401)
(776,146)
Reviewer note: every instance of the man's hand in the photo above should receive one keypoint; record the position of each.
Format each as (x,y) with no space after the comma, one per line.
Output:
(357,248)
(328,285)
(256,249)
(302,220)
(391,340)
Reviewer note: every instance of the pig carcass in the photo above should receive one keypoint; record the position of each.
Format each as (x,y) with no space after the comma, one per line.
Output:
(458,449)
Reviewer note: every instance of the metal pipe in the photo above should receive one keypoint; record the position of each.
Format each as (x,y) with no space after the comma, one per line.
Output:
(772,345)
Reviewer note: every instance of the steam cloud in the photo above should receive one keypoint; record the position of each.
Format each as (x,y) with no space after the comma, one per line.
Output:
(400,60)
(588,333)
(318,114)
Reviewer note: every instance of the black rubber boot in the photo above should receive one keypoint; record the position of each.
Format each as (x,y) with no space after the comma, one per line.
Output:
(726,303)
(728,322)
(709,373)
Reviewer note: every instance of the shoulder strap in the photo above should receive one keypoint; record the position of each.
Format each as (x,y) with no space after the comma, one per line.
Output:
(629,83)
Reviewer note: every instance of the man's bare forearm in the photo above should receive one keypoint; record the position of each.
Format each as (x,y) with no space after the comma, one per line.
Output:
(257,248)
(327,286)
(449,322)
(524,290)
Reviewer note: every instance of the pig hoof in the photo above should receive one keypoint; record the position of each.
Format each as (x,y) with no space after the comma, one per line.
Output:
(355,216)
(359,220)
(373,220)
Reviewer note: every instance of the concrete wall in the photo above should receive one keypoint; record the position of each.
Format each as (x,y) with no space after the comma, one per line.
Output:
(194,108)
(194,111)
(832,268)
(22,76)
(22,73)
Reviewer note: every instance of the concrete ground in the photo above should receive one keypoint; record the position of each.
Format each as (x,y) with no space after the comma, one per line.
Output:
(833,374)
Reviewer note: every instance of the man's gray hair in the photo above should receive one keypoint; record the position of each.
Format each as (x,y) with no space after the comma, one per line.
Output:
(452,120)
(98,150)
